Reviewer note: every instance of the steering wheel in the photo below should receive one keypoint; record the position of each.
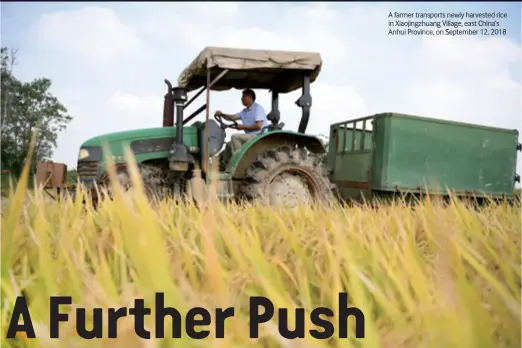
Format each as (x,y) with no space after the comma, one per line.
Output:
(224,125)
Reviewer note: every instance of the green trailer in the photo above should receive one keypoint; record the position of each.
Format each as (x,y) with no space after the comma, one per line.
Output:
(390,153)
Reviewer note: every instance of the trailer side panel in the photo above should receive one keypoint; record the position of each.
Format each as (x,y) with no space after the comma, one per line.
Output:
(420,154)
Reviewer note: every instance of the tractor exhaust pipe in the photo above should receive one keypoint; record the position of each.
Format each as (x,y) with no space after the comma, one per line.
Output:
(168,107)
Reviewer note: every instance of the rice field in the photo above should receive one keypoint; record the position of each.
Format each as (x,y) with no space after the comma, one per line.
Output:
(428,275)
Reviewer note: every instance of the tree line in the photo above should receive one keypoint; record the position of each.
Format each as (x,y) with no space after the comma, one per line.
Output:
(26,108)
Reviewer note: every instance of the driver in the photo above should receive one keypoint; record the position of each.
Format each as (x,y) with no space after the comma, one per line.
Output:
(253,117)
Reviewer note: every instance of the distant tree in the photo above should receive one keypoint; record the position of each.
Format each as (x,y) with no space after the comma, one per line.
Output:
(72,176)
(27,107)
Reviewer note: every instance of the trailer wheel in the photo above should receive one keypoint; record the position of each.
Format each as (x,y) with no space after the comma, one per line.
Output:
(287,176)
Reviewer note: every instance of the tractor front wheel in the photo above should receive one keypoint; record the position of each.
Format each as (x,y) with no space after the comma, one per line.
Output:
(122,179)
(151,178)
(288,176)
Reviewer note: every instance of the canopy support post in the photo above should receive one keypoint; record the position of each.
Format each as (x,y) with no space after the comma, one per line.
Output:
(208,87)
(305,102)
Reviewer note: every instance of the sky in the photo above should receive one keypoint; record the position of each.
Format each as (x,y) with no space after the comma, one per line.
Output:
(107,61)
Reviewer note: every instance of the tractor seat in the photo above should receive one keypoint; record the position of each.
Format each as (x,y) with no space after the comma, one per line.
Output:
(273,116)
(272,127)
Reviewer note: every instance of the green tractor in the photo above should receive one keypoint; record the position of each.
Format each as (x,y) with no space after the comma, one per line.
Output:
(380,155)
(277,166)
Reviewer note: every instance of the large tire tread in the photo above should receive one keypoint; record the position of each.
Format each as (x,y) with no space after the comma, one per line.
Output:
(268,165)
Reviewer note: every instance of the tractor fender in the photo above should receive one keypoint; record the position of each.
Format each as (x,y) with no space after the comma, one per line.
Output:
(239,163)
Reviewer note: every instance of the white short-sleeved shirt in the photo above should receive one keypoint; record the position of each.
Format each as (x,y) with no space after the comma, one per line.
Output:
(249,116)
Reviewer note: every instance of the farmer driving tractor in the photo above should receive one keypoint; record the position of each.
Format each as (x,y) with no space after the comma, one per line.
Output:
(253,117)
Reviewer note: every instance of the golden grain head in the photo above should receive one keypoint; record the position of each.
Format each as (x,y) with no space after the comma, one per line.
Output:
(424,276)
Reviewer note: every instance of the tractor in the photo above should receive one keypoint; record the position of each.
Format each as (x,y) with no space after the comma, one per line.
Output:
(277,166)
(381,155)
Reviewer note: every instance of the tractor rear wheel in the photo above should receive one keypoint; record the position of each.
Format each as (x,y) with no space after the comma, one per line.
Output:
(288,176)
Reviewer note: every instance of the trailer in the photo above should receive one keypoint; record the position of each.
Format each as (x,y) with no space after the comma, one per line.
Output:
(392,153)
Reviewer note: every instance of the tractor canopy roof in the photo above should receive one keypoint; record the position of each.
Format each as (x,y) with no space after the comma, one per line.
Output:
(281,71)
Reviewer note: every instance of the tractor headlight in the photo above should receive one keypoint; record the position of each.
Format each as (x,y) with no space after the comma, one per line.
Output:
(83,154)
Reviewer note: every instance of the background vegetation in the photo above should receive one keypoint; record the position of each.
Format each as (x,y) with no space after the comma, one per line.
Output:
(26,108)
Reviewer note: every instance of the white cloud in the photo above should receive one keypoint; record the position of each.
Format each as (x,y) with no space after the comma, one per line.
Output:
(365,71)
(131,112)
(460,78)
(468,80)
(135,105)
(95,33)
(218,9)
